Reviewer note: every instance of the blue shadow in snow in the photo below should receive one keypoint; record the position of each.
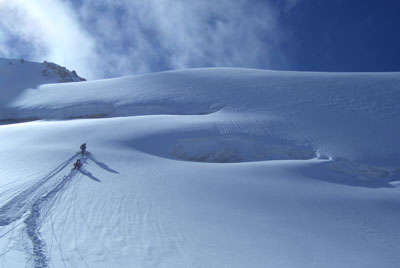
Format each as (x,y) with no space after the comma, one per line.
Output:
(325,172)
(100,164)
(88,156)
(90,175)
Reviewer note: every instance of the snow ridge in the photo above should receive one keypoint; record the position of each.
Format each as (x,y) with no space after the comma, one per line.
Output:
(53,70)
(279,114)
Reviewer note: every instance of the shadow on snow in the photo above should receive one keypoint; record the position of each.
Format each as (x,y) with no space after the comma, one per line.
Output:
(36,202)
(88,156)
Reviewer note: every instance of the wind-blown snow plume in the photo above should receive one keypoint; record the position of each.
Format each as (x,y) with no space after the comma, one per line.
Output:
(27,29)
(110,38)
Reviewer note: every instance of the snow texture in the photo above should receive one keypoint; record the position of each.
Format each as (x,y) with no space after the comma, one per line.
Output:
(217,167)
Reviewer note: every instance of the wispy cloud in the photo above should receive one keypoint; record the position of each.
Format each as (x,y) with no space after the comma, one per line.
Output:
(45,29)
(103,38)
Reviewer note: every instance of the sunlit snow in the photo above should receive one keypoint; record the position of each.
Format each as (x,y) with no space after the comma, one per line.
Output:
(217,167)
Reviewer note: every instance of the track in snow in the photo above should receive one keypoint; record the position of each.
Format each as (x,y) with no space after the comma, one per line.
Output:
(36,214)
(36,202)
(20,204)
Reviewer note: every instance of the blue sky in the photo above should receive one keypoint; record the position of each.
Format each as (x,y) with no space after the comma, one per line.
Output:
(346,35)
(108,38)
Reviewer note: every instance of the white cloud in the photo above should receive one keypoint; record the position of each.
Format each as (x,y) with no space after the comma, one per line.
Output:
(119,37)
(49,30)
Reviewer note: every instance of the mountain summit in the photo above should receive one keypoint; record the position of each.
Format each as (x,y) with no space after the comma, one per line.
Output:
(17,71)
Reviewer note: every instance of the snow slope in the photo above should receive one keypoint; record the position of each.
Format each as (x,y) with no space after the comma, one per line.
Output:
(203,168)
(257,115)
(18,75)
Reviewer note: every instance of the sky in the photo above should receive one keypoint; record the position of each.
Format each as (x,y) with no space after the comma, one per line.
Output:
(110,38)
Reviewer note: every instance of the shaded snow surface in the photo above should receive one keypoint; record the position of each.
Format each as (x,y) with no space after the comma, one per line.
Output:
(203,168)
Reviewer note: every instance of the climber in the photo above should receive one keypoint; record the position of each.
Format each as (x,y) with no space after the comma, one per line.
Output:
(78,164)
(83,148)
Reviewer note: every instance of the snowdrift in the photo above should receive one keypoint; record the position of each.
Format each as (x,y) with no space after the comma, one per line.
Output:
(216,167)
(248,115)
(16,76)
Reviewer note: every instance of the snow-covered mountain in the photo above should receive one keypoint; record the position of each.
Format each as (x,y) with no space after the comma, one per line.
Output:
(218,167)
(22,73)
(18,75)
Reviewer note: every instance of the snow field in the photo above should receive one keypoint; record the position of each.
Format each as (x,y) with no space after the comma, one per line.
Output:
(202,168)
(129,208)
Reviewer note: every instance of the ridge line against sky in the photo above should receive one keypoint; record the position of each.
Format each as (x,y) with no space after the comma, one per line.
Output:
(109,38)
